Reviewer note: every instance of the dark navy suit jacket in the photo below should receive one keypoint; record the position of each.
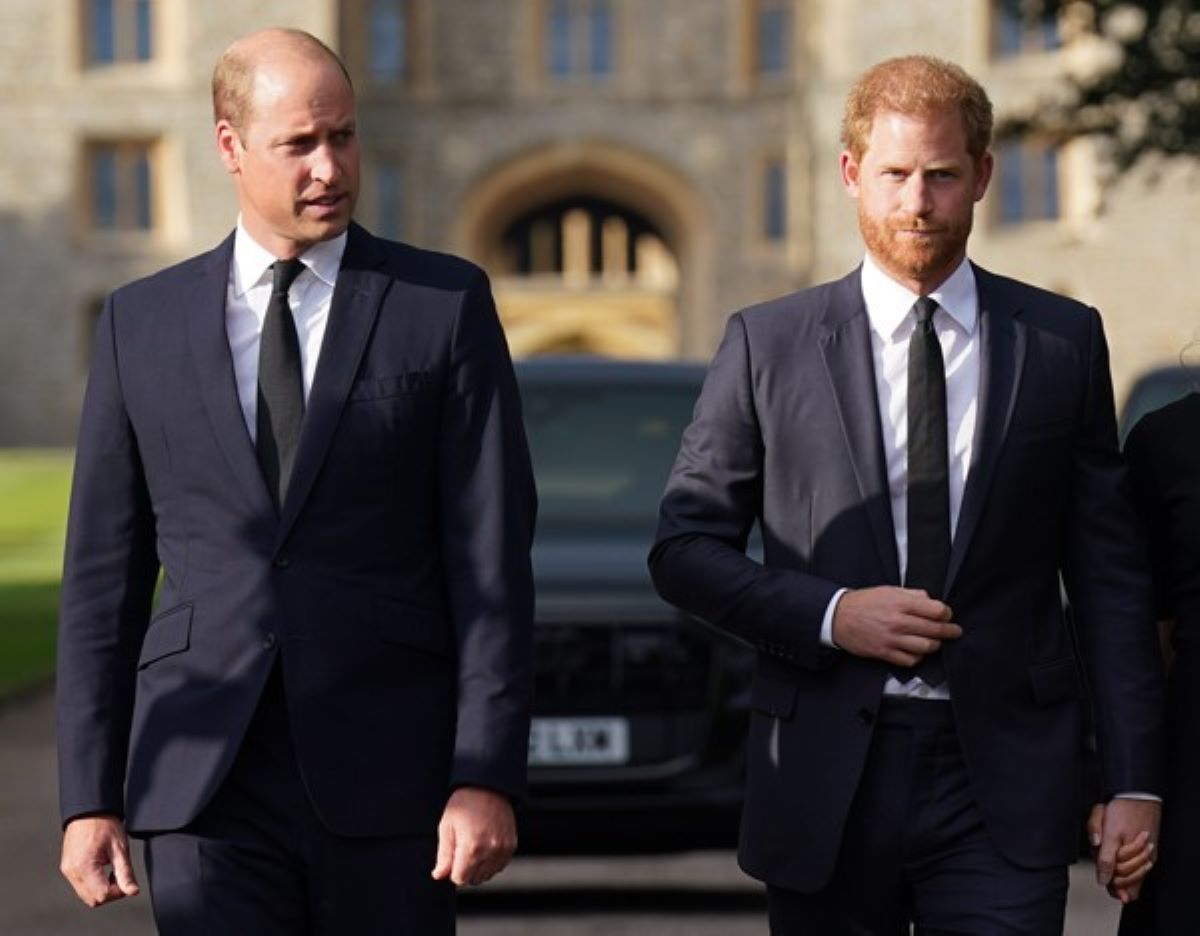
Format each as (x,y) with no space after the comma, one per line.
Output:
(393,587)
(787,433)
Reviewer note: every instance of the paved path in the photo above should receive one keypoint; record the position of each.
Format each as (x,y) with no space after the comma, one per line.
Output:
(699,894)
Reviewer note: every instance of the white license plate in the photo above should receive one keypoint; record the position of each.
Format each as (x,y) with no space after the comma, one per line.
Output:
(578,741)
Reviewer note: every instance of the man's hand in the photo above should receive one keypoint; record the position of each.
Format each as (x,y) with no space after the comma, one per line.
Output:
(95,859)
(897,625)
(476,837)
(1124,834)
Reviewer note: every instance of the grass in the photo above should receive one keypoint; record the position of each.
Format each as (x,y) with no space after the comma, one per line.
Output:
(33,517)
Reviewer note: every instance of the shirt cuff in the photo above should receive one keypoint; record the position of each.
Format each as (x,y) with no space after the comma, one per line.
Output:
(1133,794)
(827,621)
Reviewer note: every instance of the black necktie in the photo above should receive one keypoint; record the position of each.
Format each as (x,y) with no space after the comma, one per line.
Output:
(928,473)
(280,384)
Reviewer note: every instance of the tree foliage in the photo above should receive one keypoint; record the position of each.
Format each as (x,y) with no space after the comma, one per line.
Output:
(1133,76)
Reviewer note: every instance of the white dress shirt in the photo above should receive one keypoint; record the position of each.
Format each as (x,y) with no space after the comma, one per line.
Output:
(246,299)
(889,309)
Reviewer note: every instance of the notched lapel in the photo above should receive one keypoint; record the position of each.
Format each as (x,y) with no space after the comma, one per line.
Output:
(204,310)
(356,299)
(1002,342)
(846,350)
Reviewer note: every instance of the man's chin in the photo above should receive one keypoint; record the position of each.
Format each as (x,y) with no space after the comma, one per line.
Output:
(324,229)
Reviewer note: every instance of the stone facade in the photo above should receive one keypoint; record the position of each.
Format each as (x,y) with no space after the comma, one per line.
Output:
(678,133)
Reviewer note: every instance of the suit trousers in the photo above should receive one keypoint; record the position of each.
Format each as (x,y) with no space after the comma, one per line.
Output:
(915,851)
(259,860)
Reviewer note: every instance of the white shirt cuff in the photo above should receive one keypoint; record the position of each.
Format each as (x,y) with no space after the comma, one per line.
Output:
(827,621)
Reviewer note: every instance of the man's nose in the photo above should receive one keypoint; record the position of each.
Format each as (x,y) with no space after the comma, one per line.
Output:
(916,196)
(324,166)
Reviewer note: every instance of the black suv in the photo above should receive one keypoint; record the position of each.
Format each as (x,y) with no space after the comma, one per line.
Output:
(640,712)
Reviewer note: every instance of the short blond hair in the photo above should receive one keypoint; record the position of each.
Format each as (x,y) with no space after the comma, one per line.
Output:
(917,86)
(233,77)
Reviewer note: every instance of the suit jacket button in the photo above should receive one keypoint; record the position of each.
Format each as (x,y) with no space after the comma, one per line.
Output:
(281,562)
(269,641)
(866,717)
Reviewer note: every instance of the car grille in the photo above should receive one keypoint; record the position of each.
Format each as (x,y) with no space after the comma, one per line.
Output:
(620,669)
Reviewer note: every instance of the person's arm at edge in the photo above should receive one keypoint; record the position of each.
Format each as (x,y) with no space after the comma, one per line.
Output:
(488,506)
(108,580)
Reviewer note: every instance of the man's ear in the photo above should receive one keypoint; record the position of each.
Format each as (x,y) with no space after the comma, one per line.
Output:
(850,173)
(983,174)
(229,146)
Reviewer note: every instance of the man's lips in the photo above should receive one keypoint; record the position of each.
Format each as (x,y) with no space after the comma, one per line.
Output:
(324,201)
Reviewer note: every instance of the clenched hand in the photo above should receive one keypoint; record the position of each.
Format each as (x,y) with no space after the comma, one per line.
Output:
(476,837)
(95,859)
(897,625)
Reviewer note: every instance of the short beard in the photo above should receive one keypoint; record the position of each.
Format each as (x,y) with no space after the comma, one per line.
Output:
(912,261)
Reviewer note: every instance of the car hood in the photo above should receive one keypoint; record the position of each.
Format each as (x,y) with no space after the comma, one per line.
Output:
(576,574)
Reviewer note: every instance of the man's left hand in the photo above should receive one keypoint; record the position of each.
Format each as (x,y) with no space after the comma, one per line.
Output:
(1121,824)
(476,837)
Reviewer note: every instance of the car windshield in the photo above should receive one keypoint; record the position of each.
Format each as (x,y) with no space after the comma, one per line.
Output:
(601,454)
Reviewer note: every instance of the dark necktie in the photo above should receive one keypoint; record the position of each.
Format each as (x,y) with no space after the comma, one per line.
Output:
(280,384)
(928,473)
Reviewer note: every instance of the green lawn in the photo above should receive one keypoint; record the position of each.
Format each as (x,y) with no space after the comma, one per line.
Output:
(33,516)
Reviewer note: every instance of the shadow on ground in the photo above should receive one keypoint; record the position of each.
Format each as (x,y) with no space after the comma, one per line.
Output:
(615,901)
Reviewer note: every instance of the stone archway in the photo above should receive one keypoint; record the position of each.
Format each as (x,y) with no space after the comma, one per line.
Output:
(593,248)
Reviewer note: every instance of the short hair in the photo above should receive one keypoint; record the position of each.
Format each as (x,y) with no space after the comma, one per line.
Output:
(233,77)
(917,86)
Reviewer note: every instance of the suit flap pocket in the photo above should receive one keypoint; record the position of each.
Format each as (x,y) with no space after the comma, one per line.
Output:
(169,633)
(381,388)
(773,696)
(413,627)
(1057,681)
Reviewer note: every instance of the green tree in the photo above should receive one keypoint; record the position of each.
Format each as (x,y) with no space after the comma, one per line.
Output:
(1133,76)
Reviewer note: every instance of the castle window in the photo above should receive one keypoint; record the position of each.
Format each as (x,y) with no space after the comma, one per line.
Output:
(774,200)
(387,38)
(117,31)
(1027,181)
(580,38)
(773,29)
(389,201)
(1020,27)
(120,185)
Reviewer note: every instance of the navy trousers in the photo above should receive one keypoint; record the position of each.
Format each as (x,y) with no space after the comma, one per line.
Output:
(259,861)
(915,852)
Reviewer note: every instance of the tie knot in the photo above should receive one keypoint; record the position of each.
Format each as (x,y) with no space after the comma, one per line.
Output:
(924,307)
(284,273)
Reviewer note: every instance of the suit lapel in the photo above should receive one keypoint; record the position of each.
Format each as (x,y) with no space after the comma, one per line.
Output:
(1002,340)
(352,313)
(203,309)
(846,350)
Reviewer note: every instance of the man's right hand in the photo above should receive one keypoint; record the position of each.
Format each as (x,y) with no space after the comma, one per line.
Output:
(95,859)
(897,625)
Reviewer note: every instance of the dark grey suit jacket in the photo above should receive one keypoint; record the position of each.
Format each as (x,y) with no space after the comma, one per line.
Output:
(786,433)
(394,589)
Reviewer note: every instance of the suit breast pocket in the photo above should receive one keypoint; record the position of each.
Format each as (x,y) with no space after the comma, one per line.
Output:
(168,634)
(376,388)
(1056,681)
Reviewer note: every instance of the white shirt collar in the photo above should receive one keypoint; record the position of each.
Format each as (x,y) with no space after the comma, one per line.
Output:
(888,302)
(252,261)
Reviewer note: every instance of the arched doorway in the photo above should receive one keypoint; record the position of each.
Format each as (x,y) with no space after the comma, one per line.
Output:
(592,249)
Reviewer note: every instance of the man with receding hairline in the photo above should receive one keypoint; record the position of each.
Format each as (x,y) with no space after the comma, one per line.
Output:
(315,434)
(926,447)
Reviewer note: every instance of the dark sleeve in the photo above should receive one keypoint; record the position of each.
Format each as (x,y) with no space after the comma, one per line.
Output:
(1146,486)
(712,499)
(488,505)
(108,583)
(1108,582)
